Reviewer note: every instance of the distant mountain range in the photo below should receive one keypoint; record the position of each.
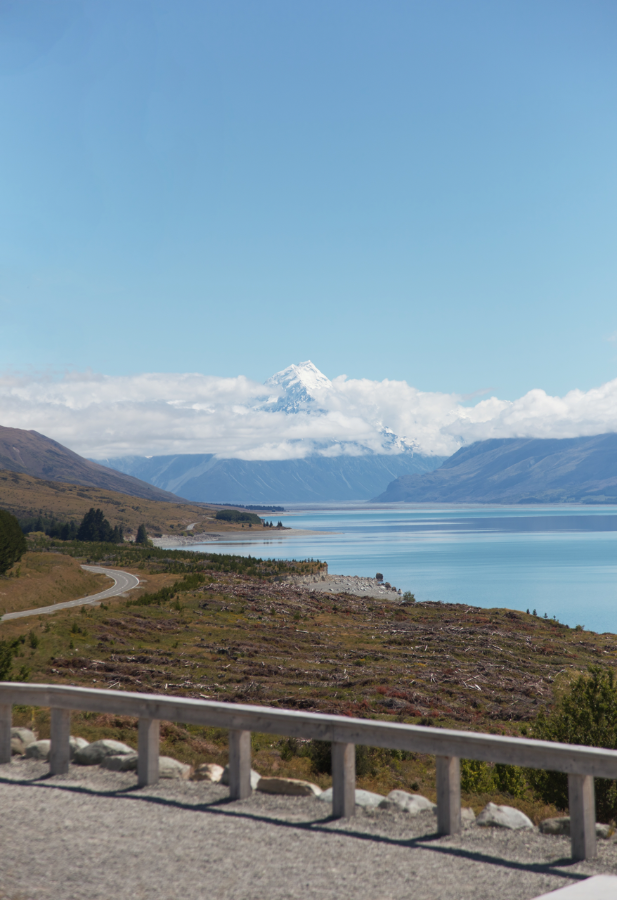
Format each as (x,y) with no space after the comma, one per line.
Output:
(329,471)
(518,470)
(315,479)
(34,454)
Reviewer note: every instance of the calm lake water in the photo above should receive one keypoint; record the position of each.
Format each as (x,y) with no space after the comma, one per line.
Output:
(559,560)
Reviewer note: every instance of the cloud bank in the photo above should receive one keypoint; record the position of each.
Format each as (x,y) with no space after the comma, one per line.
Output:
(102,417)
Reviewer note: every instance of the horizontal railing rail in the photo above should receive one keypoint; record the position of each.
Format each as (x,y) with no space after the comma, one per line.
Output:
(581,764)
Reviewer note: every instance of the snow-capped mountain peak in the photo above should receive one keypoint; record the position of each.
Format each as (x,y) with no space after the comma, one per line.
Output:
(298,386)
(304,389)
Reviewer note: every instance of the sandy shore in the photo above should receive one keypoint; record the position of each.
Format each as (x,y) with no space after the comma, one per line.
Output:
(207,537)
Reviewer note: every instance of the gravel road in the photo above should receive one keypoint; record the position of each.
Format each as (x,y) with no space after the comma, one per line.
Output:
(92,834)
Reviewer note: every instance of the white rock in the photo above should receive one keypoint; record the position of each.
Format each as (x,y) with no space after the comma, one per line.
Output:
(503,817)
(255,776)
(94,754)
(208,772)
(291,787)
(38,750)
(75,744)
(20,739)
(411,803)
(173,768)
(366,799)
(126,762)
(468,816)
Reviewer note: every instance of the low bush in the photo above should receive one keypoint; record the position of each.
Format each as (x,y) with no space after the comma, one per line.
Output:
(586,714)
(188,583)
(478,777)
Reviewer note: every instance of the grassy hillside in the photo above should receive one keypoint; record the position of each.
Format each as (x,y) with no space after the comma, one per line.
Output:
(27,497)
(232,630)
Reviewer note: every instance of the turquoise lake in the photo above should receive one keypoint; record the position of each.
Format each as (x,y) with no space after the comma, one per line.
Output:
(559,560)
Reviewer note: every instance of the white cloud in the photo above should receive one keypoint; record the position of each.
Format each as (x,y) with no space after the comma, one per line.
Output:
(153,414)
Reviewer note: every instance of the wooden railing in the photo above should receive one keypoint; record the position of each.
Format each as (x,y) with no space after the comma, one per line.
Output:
(582,764)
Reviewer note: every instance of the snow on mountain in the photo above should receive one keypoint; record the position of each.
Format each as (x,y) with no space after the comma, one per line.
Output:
(304,389)
(298,389)
(394,443)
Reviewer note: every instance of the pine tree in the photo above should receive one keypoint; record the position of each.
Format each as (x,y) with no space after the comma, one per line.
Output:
(95,527)
(142,535)
(12,541)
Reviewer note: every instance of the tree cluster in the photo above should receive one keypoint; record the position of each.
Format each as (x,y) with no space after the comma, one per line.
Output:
(236,515)
(12,541)
(52,527)
(95,527)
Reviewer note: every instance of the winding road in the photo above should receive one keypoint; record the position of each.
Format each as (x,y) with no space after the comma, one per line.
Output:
(123,581)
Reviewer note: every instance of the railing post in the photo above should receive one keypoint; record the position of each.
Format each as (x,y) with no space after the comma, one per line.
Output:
(582,816)
(239,764)
(60,751)
(448,795)
(343,780)
(148,758)
(6,720)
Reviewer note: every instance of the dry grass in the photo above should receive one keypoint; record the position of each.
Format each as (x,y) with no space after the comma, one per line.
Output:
(41,579)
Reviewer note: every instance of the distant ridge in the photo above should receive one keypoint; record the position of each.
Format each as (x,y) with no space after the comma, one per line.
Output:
(518,470)
(31,453)
(314,479)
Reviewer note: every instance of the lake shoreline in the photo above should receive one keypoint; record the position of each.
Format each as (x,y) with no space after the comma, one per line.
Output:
(173,541)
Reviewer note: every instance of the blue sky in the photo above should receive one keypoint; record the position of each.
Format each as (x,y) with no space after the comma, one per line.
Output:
(423,191)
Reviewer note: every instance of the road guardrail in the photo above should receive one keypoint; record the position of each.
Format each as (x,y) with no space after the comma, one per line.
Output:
(581,764)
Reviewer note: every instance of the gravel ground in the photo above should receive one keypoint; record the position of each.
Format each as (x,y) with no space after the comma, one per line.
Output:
(92,834)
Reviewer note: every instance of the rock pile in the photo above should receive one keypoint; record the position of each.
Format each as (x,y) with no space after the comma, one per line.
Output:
(345,584)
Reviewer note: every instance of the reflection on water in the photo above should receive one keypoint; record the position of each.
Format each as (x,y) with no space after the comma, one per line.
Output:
(559,560)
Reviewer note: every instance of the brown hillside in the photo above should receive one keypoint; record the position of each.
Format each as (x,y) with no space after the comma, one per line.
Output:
(34,454)
(27,497)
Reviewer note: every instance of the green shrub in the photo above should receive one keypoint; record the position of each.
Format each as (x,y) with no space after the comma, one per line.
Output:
(188,583)
(510,780)
(587,715)
(478,777)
